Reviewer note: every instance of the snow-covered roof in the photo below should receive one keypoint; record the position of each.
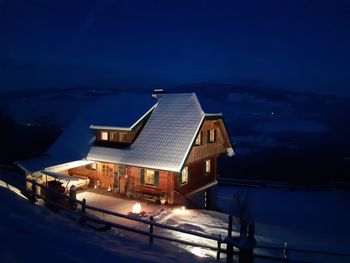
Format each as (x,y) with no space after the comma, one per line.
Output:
(163,143)
(165,140)
(74,143)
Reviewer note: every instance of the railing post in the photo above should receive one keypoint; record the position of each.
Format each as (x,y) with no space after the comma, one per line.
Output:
(229,258)
(285,252)
(73,197)
(151,229)
(32,195)
(219,248)
(82,218)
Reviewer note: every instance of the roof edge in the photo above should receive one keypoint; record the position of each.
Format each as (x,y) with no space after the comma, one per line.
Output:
(214,114)
(192,141)
(116,128)
(134,165)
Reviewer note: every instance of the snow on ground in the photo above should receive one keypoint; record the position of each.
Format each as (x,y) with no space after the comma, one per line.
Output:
(32,233)
(201,221)
(308,220)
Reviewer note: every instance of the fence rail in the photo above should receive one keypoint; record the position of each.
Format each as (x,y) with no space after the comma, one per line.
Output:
(231,243)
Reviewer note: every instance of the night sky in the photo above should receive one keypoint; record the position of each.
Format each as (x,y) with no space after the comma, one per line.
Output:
(299,45)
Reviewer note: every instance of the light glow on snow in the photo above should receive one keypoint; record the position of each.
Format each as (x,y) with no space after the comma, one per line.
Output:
(199,252)
(136,208)
(181,211)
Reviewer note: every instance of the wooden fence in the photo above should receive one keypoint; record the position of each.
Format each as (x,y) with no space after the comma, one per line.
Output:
(232,245)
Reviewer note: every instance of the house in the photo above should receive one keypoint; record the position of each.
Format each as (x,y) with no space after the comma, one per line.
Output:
(139,147)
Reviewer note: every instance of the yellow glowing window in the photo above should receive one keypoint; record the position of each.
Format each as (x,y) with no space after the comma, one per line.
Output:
(199,139)
(149,177)
(184,175)
(212,135)
(207,166)
(92,166)
(104,136)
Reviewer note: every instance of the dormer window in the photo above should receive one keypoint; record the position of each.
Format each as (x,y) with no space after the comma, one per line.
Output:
(104,136)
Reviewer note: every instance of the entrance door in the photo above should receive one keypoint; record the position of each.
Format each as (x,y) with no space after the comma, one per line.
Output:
(107,176)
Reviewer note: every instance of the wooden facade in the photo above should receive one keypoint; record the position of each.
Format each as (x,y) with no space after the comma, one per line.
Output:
(201,167)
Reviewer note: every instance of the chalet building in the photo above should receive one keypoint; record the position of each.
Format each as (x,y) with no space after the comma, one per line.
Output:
(137,146)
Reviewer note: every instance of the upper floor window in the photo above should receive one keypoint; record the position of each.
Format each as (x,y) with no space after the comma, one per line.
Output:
(104,136)
(207,166)
(198,139)
(91,166)
(211,135)
(184,175)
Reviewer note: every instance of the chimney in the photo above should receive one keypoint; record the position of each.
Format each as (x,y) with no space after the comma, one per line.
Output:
(157,93)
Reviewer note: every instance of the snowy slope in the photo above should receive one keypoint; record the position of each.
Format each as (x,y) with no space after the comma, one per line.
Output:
(31,233)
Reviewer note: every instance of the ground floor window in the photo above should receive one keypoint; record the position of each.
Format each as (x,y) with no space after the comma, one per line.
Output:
(184,175)
(149,177)
(207,166)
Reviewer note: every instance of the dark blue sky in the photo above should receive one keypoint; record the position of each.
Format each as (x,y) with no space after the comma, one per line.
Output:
(301,45)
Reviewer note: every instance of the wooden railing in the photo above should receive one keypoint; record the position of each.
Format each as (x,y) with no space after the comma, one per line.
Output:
(84,217)
(232,244)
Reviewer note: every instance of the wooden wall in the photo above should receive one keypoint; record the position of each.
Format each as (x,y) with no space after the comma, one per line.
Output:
(207,149)
(197,176)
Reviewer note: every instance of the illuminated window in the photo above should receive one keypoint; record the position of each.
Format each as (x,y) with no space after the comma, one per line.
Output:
(149,177)
(184,175)
(91,166)
(104,136)
(199,139)
(211,135)
(207,166)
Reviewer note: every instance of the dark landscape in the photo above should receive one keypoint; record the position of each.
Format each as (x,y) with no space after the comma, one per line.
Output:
(279,135)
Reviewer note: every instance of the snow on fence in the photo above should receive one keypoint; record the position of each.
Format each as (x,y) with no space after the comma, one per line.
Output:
(234,246)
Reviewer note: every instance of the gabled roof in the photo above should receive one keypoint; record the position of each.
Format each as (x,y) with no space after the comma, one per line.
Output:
(163,143)
(165,140)
(74,143)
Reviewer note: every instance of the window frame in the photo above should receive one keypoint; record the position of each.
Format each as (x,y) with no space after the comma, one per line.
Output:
(211,133)
(102,137)
(198,138)
(208,161)
(183,182)
(146,177)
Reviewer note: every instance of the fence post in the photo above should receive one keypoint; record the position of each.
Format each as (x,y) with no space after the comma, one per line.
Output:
(73,197)
(229,258)
(219,248)
(32,195)
(151,229)
(82,218)
(285,252)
